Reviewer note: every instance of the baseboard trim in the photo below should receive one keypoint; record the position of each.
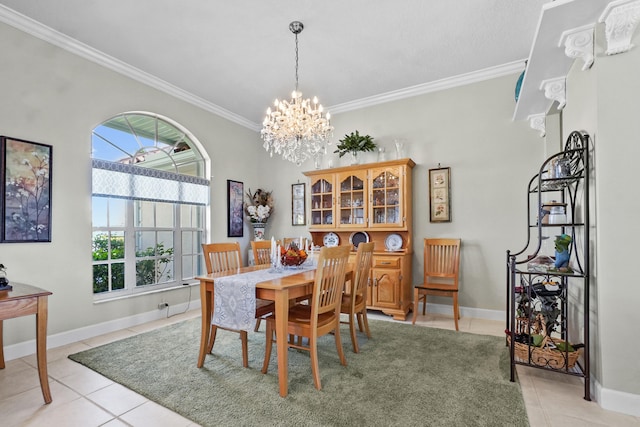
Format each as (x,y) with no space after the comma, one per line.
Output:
(617,401)
(477,313)
(26,348)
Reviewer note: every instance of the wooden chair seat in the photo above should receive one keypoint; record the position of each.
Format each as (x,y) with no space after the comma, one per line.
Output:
(346,302)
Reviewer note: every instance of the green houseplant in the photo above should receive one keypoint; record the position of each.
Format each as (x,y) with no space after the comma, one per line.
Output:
(355,143)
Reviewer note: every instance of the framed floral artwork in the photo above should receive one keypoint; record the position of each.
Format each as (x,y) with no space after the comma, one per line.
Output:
(440,195)
(25,169)
(235,208)
(298,210)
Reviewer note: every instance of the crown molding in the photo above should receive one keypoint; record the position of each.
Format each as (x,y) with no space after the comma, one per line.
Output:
(36,29)
(435,86)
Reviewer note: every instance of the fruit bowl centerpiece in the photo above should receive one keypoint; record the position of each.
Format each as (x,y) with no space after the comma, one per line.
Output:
(292,256)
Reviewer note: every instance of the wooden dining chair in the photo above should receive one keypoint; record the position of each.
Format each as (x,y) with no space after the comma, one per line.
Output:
(354,302)
(261,251)
(261,256)
(321,316)
(288,240)
(441,271)
(222,257)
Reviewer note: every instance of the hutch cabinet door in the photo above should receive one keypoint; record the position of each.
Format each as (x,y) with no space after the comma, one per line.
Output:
(352,199)
(322,201)
(386,288)
(386,197)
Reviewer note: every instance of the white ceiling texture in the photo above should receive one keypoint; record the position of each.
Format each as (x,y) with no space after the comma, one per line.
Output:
(235,57)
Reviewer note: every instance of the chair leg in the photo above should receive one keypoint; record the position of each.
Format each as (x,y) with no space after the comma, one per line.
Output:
(343,360)
(245,350)
(268,345)
(456,309)
(424,304)
(416,303)
(365,321)
(212,338)
(359,319)
(257,324)
(352,330)
(315,369)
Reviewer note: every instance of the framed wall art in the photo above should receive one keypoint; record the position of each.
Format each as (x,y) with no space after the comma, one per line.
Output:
(235,208)
(25,170)
(298,207)
(440,195)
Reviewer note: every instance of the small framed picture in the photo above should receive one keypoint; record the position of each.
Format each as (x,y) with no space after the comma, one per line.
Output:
(298,207)
(235,208)
(440,195)
(25,201)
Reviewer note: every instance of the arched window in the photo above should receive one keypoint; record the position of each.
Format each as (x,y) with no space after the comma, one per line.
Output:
(149,195)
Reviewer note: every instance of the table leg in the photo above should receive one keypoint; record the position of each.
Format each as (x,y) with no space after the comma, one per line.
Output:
(41,347)
(282,320)
(1,347)
(205,302)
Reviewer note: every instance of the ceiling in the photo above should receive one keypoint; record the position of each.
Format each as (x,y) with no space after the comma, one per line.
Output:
(236,57)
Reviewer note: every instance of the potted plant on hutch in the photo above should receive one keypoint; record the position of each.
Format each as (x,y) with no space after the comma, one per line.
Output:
(355,143)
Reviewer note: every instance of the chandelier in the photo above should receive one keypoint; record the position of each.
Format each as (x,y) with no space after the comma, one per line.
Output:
(297,129)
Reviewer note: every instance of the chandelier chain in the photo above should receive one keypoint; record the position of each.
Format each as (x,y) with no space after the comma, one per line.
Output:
(296,62)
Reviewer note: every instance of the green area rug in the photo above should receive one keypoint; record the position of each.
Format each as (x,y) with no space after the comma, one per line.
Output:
(404,375)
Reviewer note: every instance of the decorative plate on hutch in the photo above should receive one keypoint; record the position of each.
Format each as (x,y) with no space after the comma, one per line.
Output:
(358,237)
(331,239)
(393,242)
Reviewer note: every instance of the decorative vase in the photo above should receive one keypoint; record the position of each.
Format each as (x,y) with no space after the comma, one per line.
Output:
(354,158)
(258,230)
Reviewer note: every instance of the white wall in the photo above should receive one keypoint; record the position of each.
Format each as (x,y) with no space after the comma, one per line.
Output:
(54,97)
(492,160)
(617,151)
(604,102)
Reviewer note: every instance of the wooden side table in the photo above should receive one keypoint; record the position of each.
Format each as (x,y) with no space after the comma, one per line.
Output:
(23,300)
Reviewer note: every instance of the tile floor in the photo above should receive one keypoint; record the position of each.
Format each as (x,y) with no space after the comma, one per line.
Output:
(84,398)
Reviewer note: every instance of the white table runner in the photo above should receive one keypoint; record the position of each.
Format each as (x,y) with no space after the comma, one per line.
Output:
(235,296)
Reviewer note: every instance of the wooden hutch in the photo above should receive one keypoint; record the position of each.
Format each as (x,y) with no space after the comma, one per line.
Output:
(369,201)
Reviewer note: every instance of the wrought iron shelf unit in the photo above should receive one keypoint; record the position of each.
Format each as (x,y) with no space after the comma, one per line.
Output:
(552,305)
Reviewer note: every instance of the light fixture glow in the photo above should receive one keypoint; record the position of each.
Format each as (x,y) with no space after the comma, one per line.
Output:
(297,129)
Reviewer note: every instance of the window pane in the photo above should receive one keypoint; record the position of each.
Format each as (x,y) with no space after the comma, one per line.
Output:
(185,216)
(145,272)
(99,211)
(100,278)
(165,243)
(164,270)
(117,245)
(117,276)
(144,214)
(117,212)
(187,242)
(164,215)
(100,246)
(187,267)
(145,243)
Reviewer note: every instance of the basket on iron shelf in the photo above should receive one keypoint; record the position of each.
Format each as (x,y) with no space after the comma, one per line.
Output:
(545,351)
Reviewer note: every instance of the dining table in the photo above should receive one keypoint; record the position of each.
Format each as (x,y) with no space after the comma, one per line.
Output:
(280,290)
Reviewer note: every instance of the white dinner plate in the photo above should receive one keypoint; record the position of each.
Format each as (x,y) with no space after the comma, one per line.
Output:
(393,242)
(331,239)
